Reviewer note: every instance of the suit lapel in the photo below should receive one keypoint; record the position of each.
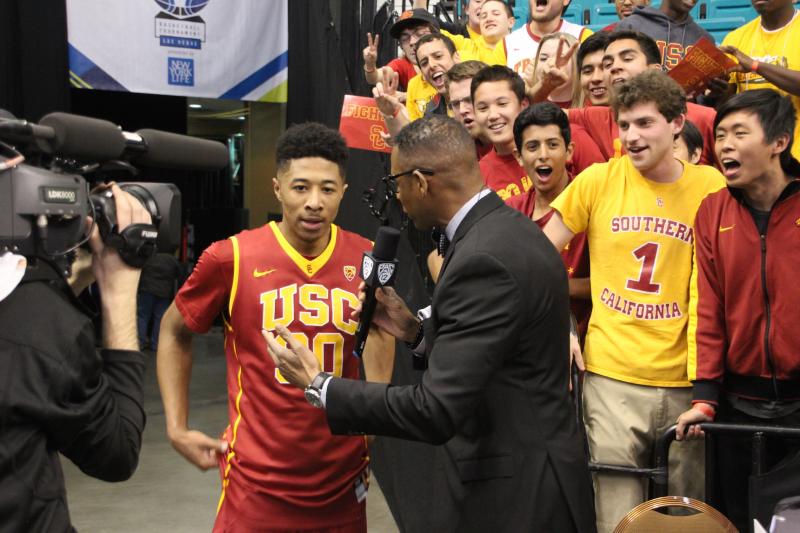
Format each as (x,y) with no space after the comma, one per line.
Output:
(485,205)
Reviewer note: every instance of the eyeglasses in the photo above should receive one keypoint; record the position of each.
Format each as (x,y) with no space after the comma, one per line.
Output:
(419,33)
(391,179)
(455,105)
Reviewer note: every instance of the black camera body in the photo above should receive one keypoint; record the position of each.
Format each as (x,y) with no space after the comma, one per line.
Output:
(31,198)
(43,215)
(138,242)
(43,208)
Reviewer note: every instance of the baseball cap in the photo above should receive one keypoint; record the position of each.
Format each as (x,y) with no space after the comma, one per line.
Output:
(412,17)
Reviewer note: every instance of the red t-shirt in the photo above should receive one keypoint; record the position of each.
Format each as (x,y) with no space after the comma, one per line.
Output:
(575,256)
(482,149)
(404,69)
(283,466)
(504,175)
(600,124)
(586,152)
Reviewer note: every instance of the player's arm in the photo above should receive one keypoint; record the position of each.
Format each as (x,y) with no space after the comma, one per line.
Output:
(174,368)
(558,232)
(379,356)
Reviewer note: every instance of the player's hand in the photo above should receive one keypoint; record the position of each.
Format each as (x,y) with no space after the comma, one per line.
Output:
(198,448)
(745,62)
(687,424)
(296,362)
(371,51)
(391,313)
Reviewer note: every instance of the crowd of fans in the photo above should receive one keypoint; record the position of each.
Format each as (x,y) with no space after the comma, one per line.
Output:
(684,313)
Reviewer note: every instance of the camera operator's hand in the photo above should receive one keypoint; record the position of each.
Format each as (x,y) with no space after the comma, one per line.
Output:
(117,281)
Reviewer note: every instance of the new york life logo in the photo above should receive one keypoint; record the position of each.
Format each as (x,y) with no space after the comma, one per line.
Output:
(180,71)
(178,25)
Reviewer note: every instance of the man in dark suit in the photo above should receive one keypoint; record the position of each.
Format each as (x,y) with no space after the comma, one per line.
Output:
(495,391)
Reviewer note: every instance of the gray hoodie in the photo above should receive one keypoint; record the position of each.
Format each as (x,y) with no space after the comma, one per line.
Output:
(674,39)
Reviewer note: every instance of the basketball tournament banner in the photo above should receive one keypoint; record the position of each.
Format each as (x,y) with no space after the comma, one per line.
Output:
(361,124)
(703,63)
(235,49)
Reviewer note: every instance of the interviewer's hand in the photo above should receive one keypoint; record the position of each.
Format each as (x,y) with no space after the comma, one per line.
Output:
(198,448)
(687,424)
(296,362)
(391,313)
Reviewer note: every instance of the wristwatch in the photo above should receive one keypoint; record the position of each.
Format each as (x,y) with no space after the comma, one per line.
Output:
(313,392)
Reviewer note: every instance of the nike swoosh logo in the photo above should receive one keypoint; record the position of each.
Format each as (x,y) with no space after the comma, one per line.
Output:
(726,228)
(258,274)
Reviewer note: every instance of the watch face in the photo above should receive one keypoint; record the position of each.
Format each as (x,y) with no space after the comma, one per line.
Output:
(313,396)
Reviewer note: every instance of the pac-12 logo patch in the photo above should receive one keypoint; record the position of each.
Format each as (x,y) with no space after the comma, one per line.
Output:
(366,266)
(385,271)
(349,272)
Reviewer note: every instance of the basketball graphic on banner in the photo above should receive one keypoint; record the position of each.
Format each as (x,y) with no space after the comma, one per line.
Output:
(182,8)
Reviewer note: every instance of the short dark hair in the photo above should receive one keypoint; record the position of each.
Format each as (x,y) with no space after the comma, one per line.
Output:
(596,42)
(650,86)
(646,43)
(311,139)
(509,11)
(541,114)
(465,70)
(775,114)
(436,135)
(692,137)
(430,37)
(498,73)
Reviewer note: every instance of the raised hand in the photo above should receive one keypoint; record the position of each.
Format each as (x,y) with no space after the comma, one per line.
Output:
(555,70)
(385,93)
(371,52)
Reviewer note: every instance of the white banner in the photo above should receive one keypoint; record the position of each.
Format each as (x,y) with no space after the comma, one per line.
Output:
(236,49)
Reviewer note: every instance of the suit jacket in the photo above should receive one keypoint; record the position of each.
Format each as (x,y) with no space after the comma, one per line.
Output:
(496,389)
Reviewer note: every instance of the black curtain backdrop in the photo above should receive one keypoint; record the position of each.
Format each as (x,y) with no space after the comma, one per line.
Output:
(33,57)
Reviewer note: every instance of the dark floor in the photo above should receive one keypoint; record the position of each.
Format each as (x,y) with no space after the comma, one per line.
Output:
(167,493)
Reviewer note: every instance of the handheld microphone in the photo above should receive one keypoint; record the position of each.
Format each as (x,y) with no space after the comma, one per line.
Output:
(378,269)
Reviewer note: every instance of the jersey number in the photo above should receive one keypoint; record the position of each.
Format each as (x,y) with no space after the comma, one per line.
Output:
(328,347)
(647,254)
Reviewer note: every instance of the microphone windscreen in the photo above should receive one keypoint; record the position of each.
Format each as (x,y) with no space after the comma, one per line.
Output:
(386,241)
(171,150)
(83,138)
(7,115)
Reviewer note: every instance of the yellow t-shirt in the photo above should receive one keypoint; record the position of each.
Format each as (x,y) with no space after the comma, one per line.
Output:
(640,240)
(780,47)
(473,48)
(418,93)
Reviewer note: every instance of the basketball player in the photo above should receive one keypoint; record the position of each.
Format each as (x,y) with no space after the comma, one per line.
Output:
(281,468)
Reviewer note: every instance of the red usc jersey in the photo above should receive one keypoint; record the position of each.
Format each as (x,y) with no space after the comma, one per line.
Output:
(283,469)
